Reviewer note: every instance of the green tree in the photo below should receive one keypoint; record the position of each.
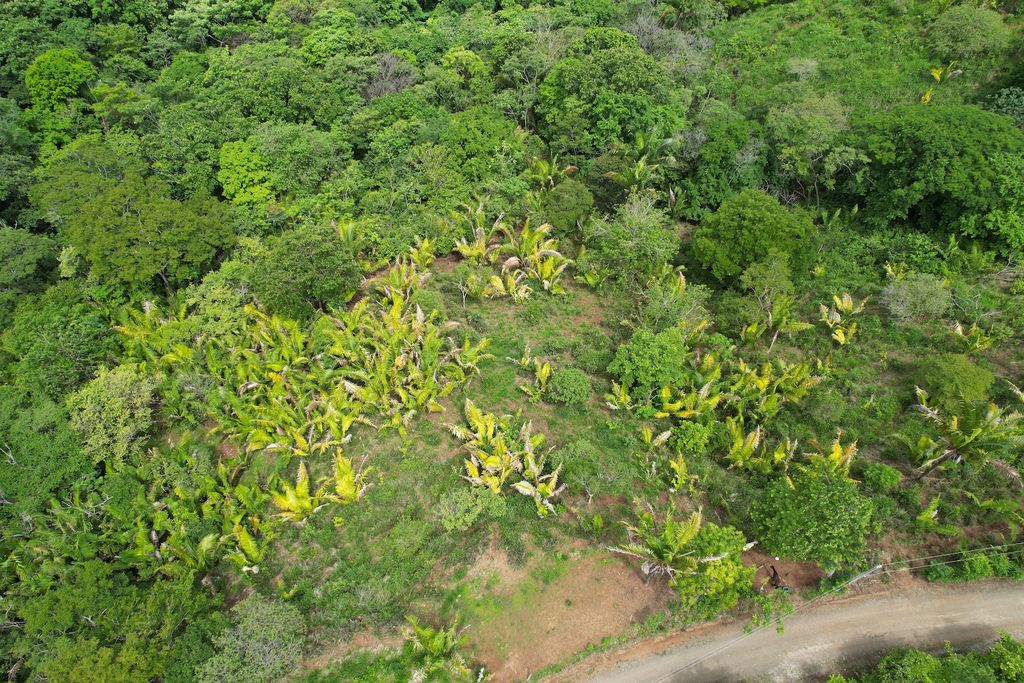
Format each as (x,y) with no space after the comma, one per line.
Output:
(633,242)
(932,166)
(743,230)
(605,89)
(135,232)
(57,75)
(720,578)
(809,149)
(23,256)
(964,32)
(57,339)
(306,268)
(263,645)
(244,174)
(114,414)
(651,360)
(820,517)
(41,452)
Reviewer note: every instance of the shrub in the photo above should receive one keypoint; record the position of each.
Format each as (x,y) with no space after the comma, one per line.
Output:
(950,378)
(428,300)
(745,227)
(587,468)
(58,339)
(565,206)
(114,413)
(880,478)
(460,509)
(570,386)
(1009,102)
(649,361)
(821,517)
(633,242)
(264,644)
(916,298)
(965,31)
(691,438)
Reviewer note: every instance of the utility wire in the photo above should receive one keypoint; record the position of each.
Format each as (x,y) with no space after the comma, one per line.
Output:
(672,674)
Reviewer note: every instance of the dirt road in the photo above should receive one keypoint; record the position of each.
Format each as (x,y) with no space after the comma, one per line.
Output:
(835,635)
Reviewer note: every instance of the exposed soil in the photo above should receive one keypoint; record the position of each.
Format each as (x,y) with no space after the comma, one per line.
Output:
(796,575)
(493,566)
(594,598)
(363,640)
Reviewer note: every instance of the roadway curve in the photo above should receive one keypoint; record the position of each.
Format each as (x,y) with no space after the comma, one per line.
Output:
(836,635)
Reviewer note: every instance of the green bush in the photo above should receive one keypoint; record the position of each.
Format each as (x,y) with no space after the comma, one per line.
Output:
(306,268)
(745,227)
(820,517)
(692,438)
(570,386)
(950,378)
(916,298)
(585,467)
(566,206)
(880,478)
(651,360)
(632,243)
(460,509)
(263,645)
(964,32)
(114,413)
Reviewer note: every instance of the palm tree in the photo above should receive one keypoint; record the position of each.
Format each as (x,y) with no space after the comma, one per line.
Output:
(661,547)
(981,433)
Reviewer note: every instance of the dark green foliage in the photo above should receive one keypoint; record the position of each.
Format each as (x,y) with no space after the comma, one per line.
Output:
(724,157)
(745,227)
(566,207)
(134,233)
(1009,102)
(165,164)
(820,517)
(605,89)
(303,269)
(951,378)
(932,165)
(44,450)
(24,257)
(651,360)
(97,622)
(57,339)
(263,645)
(570,387)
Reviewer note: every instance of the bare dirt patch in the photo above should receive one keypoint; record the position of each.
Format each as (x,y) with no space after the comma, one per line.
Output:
(796,575)
(594,598)
(362,640)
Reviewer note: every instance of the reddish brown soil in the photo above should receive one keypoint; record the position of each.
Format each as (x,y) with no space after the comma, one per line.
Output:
(597,597)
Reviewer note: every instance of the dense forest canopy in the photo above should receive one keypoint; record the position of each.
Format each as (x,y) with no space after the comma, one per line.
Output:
(305,304)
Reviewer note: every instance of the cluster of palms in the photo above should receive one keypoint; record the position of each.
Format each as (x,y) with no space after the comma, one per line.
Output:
(528,257)
(502,455)
(296,391)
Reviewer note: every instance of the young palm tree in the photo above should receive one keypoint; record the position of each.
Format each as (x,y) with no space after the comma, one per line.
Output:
(661,547)
(980,433)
